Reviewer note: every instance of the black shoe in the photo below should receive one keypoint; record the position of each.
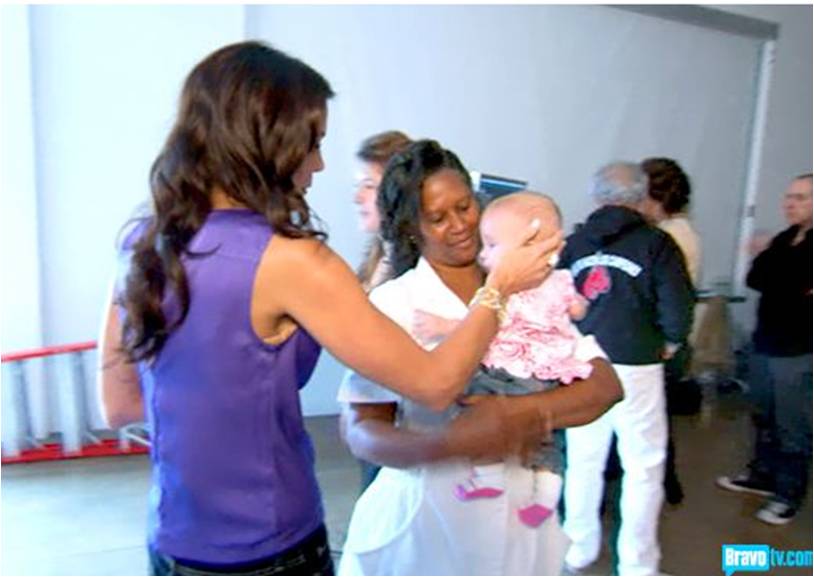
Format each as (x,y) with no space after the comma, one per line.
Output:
(745,483)
(776,513)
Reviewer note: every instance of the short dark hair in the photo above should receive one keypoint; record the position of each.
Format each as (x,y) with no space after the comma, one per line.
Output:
(667,183)
(399,198)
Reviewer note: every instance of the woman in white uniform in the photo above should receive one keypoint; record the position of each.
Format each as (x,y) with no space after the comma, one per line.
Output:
(408,521)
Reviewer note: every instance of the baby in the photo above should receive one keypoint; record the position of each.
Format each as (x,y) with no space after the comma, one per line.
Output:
(537,347)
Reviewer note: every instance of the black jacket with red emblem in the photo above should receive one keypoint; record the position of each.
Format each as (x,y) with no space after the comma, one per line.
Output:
(636,282)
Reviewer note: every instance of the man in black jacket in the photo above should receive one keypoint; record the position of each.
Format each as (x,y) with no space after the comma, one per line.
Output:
(780,372)
(641,301)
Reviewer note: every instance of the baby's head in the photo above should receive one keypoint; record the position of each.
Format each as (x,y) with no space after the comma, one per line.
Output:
(506,220)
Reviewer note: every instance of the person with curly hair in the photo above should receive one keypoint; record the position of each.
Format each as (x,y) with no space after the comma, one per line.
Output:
(408,522)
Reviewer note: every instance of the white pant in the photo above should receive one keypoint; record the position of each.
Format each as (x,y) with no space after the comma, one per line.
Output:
(640,424)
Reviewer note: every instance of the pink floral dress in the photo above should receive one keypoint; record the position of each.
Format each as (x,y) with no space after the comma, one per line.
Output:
(538,338)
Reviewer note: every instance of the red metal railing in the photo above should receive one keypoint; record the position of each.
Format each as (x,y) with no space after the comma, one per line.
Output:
(131,439)
(47,351)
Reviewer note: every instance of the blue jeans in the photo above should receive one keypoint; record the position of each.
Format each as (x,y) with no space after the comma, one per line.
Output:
(780,388)
(311,556)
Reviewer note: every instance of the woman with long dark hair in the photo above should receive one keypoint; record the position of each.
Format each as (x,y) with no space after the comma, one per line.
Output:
(407,522)
(228,296)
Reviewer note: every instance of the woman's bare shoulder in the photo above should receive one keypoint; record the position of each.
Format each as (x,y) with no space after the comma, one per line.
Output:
(294,271)
(298,251)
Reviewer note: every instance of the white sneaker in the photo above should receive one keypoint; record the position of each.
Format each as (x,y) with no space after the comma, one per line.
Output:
(776,513)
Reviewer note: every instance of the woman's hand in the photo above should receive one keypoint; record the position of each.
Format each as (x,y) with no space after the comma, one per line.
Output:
(428,327)
(118,382)
(493,427)
(527,265)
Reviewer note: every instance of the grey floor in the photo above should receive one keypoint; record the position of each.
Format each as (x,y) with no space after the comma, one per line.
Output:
(87,517)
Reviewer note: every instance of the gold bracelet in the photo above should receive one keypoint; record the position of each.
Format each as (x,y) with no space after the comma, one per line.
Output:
(490,298)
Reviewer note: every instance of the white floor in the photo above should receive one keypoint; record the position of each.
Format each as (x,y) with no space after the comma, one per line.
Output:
(87,517)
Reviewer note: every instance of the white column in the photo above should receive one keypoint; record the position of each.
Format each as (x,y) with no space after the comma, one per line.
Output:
(20,293)
(753,166)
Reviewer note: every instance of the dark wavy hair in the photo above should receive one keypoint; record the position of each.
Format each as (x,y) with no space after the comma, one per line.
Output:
(399,198)
(667,183)
(248,116)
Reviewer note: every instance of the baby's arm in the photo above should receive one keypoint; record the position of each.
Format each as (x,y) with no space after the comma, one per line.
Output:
(578,307)
(577,304)
(428,327)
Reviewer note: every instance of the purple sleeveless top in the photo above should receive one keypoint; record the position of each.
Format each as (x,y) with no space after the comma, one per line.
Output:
(233,466)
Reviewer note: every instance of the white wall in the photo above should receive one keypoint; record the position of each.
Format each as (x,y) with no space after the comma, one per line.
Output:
(543,93)
(88,96)
(106,79)
(106,82)
(787,146)
(20,319)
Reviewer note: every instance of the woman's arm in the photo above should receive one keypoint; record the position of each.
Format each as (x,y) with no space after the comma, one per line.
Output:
(579,403)
(486,431)
(117,380)
(371,435)
(489,428)
(307,281)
